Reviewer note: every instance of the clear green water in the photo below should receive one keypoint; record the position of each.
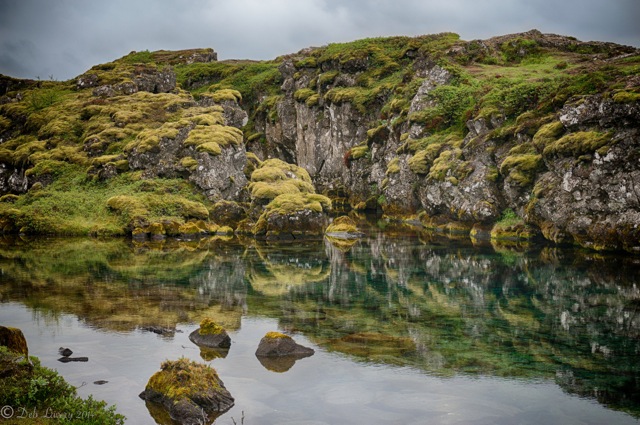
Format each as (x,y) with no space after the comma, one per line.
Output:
(407,329)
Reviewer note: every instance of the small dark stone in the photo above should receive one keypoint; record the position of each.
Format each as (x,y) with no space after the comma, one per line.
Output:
(73,359)
(65,352)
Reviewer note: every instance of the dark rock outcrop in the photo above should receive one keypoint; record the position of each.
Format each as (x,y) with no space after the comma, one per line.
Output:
(189,392)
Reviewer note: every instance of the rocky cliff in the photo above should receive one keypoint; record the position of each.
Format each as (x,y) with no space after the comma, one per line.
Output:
(519,136)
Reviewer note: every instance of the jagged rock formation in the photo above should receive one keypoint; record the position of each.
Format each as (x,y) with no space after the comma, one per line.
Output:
(518,136)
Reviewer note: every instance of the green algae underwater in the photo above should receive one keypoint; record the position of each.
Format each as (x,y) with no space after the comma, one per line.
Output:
(450,318)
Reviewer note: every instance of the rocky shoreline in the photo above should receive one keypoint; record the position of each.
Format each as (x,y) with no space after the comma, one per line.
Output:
(516,137)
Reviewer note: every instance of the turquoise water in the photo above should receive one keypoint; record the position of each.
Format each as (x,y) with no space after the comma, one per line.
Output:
(407,329)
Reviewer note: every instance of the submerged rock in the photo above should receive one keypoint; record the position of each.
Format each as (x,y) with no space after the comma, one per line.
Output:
(276,344)
(189,392)
(210,335)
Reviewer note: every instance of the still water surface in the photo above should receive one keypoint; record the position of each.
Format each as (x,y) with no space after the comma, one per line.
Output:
(407,329)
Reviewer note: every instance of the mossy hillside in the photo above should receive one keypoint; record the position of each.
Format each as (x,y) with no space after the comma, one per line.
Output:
(507,78)
(89,134)
(76,205)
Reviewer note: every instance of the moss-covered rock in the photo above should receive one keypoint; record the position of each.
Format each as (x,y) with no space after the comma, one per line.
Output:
(14,340)
(186,389)
(210,335)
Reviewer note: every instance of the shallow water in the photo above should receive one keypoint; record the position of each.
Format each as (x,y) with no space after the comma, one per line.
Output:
(407,329)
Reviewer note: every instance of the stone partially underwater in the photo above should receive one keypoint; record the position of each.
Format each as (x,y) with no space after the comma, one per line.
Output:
(190,393)
(278,352)
(517,137)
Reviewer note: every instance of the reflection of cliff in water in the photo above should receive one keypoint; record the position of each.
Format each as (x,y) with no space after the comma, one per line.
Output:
(445,309)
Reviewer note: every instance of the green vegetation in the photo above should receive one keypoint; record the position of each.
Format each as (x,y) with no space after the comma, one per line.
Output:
(184,379)
(209,327)
(88,142)
(511,227)
(579,143)
(28,385)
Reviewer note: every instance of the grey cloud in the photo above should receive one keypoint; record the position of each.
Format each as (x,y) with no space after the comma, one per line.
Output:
(66,37)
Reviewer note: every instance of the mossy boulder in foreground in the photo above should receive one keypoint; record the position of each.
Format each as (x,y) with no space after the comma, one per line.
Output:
(191,393)
(210,335)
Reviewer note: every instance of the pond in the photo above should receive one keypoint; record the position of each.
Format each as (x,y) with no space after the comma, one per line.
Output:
(406,328)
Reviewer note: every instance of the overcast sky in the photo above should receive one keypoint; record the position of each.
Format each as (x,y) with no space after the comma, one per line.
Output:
(64,38)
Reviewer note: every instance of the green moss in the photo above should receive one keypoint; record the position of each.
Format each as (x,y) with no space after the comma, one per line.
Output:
(358,152)
(276,335)
(220,134)
(518,49)
(511,226)
(14,340)
(327,77)
(149,140)
(626,97)
(184,379)
(212,148)
(210,327)
(547,134)
(189,163)
(9,198)
(302,95)
(393,167)
(129,206)
(449,164)
(579,143)
(223,95)
(521,168)
(312,100)
(48,167)
(291,202)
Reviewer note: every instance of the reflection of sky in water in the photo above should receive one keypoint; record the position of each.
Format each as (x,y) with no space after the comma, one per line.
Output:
(326,388)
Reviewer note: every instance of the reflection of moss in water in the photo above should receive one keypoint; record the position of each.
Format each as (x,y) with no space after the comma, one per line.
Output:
(107,283)
(373,346)
(278,276)
(446,310)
